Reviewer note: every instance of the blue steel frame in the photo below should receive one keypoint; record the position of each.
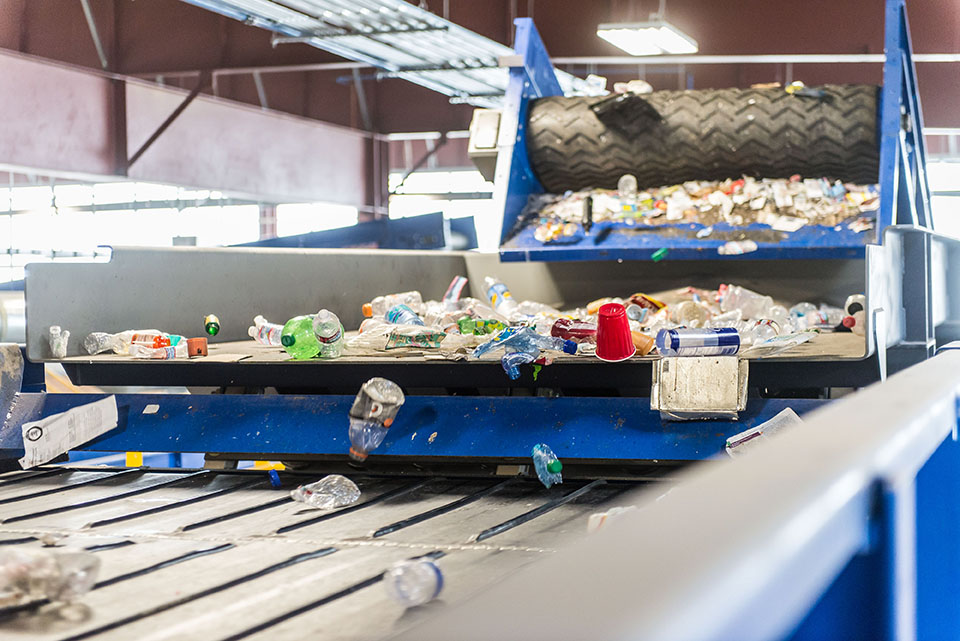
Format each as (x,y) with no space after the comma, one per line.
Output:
(500,428)
(904,193)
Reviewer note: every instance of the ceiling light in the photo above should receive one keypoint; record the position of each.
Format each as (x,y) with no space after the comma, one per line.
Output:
(651,38)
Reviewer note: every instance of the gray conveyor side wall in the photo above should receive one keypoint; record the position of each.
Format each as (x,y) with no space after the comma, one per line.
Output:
(184,284)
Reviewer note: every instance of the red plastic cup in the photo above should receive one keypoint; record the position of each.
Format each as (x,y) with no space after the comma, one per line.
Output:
(614,341)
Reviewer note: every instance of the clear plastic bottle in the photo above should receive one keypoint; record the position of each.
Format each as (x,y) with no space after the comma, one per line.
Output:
(547,465)
(36,573)
(330,492)
(379,305)
(371,415)
(689,313)
(750,303)
(264,332)
(119,343)
(718,341)
(152,339)
(58,339)
(298,338)
(825,317)
(500,297)
(800,312)
(413,582)
(167,353)
(328,331)
(402,315)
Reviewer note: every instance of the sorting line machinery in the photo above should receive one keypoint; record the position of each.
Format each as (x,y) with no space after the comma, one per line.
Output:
(453,476)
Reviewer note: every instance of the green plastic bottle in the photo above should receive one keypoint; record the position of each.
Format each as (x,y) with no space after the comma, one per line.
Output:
(298,338)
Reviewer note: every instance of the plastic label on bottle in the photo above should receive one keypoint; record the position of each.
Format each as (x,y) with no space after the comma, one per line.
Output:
(334,338)
(498,293)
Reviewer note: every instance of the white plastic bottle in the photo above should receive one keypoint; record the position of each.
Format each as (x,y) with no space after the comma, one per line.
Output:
(413,582)
(500,297)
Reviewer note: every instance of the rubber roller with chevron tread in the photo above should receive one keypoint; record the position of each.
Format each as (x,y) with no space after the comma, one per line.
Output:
(669,137)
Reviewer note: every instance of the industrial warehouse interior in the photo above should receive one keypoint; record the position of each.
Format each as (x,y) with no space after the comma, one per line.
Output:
(449,319)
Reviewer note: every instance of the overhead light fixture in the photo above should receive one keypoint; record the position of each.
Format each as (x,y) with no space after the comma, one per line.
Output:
(652,38)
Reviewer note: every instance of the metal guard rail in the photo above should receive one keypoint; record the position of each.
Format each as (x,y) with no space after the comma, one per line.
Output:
(844,528)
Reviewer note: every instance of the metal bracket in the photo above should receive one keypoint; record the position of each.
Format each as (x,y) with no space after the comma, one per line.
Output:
(202,83)
(702,387)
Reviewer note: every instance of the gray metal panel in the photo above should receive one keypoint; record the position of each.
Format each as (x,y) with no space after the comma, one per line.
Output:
(173,288)
(828,281)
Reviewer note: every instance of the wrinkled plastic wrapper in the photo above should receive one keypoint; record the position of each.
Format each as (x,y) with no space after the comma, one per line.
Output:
(413,582)
(58,339)
(598,520)
(739,444)
(328,493)
(776,345)
(65,577)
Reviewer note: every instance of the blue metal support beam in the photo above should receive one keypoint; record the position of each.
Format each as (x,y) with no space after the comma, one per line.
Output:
(502,428)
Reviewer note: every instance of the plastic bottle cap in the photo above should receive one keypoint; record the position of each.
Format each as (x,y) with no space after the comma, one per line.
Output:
(287,340)
(570,347)
(848,321)
(367,310)
(554,466)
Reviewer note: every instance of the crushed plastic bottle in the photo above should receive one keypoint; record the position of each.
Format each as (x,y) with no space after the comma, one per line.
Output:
(154,339)
(523,339)
(776,345)
(825,317)
(298,338)
(413,582)
(719,341)
(547,465)
(328,493)
(264,332)
(58,339)
(800,312)
(598,519)
(329,333)
(378,307)
(737,247)
(180,350)
(451,297)
(576,331)
(750,303)
(378,334)
(61,576)
(371,415)
(98,342)
(403,315)
(500,297)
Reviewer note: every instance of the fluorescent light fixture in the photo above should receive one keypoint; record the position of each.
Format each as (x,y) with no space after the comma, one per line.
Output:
(651,38)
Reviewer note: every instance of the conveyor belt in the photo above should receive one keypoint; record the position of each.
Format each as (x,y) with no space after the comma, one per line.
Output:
(191,554)
(832,359)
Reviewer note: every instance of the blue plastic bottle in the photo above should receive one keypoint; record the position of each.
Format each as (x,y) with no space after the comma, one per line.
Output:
(402,315)
(522,345)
